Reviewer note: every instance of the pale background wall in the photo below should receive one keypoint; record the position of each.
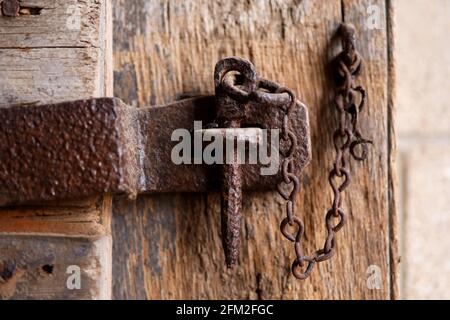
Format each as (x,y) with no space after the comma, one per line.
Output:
(423,128)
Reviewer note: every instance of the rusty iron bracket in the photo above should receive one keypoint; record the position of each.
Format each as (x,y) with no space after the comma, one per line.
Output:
(82,148)
(99,146)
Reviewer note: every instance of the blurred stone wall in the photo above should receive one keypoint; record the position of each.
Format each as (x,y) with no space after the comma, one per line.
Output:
(423,137)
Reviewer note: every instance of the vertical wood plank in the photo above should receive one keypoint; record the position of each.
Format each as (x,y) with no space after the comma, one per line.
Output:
(393,192)
(62,53)
(377,44)
(168,246)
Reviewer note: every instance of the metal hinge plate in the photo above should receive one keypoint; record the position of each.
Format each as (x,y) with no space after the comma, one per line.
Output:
(102,146)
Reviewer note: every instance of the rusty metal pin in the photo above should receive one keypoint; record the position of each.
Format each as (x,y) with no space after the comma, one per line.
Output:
(232,183)
(231,210)
(103,159)
(231,101)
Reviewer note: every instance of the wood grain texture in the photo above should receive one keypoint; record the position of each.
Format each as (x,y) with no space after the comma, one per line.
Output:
(56,56)
(43,60)
(392,155)
(59,23)
(168,246)
(39,267)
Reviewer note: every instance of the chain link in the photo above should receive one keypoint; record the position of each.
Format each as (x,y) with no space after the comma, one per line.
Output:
(346,139)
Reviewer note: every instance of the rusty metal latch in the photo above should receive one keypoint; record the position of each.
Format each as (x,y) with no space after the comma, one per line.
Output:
(100,146)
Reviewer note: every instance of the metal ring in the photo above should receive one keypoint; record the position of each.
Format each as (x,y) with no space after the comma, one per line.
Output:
(292,147)
(272,98)
(300,274)
(321,256)
(337,134)
(363,94)
(243,66)
(290,195)
(293,99)
(283,228)
(365,149)
(344,185)
(329,221)
(330,243)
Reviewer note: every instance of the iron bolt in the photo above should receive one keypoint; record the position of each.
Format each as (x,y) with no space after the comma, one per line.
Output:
(10,8)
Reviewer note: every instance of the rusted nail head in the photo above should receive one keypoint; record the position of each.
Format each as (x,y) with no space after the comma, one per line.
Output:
(10,8)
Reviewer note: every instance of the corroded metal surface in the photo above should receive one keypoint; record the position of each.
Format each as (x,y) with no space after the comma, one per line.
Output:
(237,84)
(68,150)
(231,103)
(82,148)
(347,139)
(160,174)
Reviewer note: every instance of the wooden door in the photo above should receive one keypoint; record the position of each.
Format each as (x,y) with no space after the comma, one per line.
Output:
(168,246)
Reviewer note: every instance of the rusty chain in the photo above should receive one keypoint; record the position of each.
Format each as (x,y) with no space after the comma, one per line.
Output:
(346,139)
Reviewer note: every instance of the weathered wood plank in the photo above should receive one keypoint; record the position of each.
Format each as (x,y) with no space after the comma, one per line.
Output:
(56,24)
(169,246)
(42,267)
(392,156)
(43,61)
(376,43)
(75,218)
